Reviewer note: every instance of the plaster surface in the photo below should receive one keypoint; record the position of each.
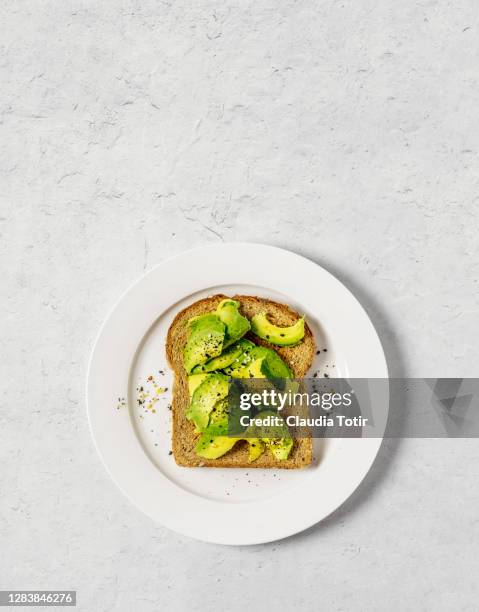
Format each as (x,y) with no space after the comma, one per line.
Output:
(130,131)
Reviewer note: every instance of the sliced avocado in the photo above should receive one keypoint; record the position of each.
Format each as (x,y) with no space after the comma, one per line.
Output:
(222,361)
(268,424)
(194,381)
(251,370)
(218,423)
(211,447)
(243,359)
(213,389)
(256,449)
(279,447)
(206,335)
(282,336)
(263,362)
(276,438)
(254,370)
(250,363)
(236,324)
(274,366)
(257,362)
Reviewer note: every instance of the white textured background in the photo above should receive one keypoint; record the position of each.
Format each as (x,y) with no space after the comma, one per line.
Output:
(131,130)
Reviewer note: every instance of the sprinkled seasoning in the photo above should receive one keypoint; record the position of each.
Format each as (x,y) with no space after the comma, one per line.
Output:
(150,393)
(121,403)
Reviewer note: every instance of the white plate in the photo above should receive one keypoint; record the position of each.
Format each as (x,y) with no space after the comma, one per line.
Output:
(227,506)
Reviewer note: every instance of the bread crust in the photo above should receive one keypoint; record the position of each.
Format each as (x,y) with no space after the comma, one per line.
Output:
(299,358)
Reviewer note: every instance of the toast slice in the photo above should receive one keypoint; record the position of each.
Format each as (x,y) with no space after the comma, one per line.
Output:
(299,358)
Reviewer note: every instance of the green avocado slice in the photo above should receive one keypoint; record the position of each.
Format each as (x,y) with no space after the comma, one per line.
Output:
(211,447)
(256,449)
(206,335)
(282,336)
(274,366)
(279,447)
(259,362)
(236,324)
(213,389)
(243,359)
(252,370)
(194,381)
(222,361)
(276,438)
(218,423)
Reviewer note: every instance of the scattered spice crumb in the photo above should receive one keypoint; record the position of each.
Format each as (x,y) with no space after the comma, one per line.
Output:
(121,403)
